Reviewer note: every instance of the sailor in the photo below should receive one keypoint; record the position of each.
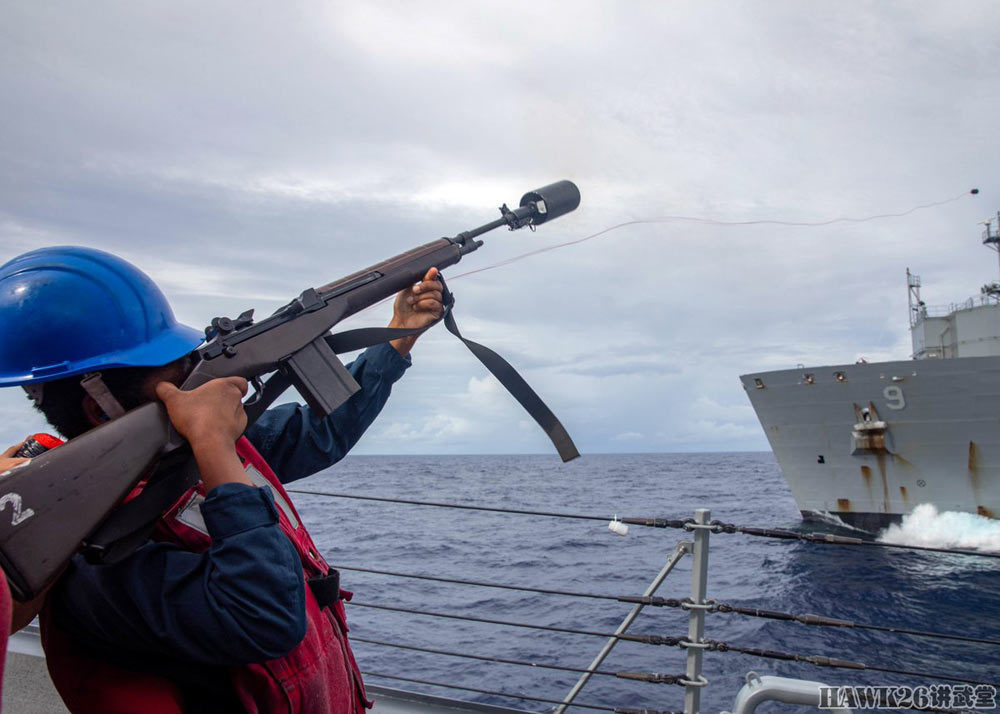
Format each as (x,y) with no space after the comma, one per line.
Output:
(229,607)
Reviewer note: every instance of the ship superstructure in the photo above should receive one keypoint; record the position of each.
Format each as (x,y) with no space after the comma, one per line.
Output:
(868,442)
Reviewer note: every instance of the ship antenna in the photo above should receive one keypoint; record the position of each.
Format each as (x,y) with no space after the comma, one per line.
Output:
(918,310)
(991,239)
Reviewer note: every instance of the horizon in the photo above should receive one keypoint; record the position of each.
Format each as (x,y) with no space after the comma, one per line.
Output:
(582,453)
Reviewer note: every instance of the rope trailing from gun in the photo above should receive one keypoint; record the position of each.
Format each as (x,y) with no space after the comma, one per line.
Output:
(715,222)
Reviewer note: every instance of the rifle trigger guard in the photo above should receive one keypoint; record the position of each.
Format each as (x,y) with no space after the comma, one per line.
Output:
(258,392)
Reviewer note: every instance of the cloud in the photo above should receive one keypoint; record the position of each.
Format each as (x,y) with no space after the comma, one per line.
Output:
(435,431)
(243,157)
(637,367)
(627,436)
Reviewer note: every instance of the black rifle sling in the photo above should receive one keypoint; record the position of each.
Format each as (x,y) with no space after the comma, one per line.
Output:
(497,366)
(515,384)
(131,524)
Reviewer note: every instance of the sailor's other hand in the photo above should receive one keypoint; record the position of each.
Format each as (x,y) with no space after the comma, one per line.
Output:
(9,461)
(416,308)
(211,414)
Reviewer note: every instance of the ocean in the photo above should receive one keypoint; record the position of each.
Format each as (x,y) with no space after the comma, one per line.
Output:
(945,593)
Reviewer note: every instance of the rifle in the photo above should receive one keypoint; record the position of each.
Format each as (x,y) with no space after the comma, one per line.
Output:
(69,497)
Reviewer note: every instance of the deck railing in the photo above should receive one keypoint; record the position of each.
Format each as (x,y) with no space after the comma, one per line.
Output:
(697,606)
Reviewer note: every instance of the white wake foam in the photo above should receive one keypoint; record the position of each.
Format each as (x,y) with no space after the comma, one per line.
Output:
(951,529)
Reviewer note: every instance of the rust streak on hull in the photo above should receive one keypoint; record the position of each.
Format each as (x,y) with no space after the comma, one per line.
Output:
(900,460)
(974,468)
(880,459)
(974,479)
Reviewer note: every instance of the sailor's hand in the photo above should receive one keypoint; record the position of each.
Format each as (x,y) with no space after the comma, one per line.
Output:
(9,461)
(211,414)
(417,307)
(211,418)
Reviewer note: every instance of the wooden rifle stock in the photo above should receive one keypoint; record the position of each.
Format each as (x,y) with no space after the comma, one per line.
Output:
(51,504)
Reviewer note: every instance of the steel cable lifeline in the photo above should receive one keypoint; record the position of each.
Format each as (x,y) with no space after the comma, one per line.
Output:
(719,527)
(686,524)
(531,698)
(833,622)
(689,525)
(654,601)
(711,645)
(647,639)
(441,504)
(650,677)
(823,661)
(482,583)
(714,607)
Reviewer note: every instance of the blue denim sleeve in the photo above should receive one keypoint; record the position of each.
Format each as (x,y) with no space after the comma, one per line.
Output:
(241,601)
(296,443)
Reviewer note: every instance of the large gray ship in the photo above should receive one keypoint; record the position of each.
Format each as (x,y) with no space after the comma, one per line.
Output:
(867,442)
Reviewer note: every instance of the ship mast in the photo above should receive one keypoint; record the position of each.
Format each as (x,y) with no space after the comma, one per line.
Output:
(913,298)
(991,239)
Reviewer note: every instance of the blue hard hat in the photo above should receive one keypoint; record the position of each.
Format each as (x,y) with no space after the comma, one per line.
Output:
(69,310)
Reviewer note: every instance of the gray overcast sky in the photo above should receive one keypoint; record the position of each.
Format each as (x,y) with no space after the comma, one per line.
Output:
(241,151)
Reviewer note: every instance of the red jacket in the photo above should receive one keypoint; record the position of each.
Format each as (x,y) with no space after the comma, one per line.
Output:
(319,676)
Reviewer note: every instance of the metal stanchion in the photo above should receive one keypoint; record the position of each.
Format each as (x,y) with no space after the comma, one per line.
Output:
(696,616)
(682,548)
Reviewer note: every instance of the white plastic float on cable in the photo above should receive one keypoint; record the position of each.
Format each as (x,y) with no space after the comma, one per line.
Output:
(617,527)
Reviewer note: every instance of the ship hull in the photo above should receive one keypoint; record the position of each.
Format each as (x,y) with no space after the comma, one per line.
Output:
(940,443)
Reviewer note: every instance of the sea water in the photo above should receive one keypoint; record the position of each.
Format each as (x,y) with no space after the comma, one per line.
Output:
(945,593)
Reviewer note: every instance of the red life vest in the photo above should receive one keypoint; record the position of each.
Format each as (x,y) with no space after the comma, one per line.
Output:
(319,676)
